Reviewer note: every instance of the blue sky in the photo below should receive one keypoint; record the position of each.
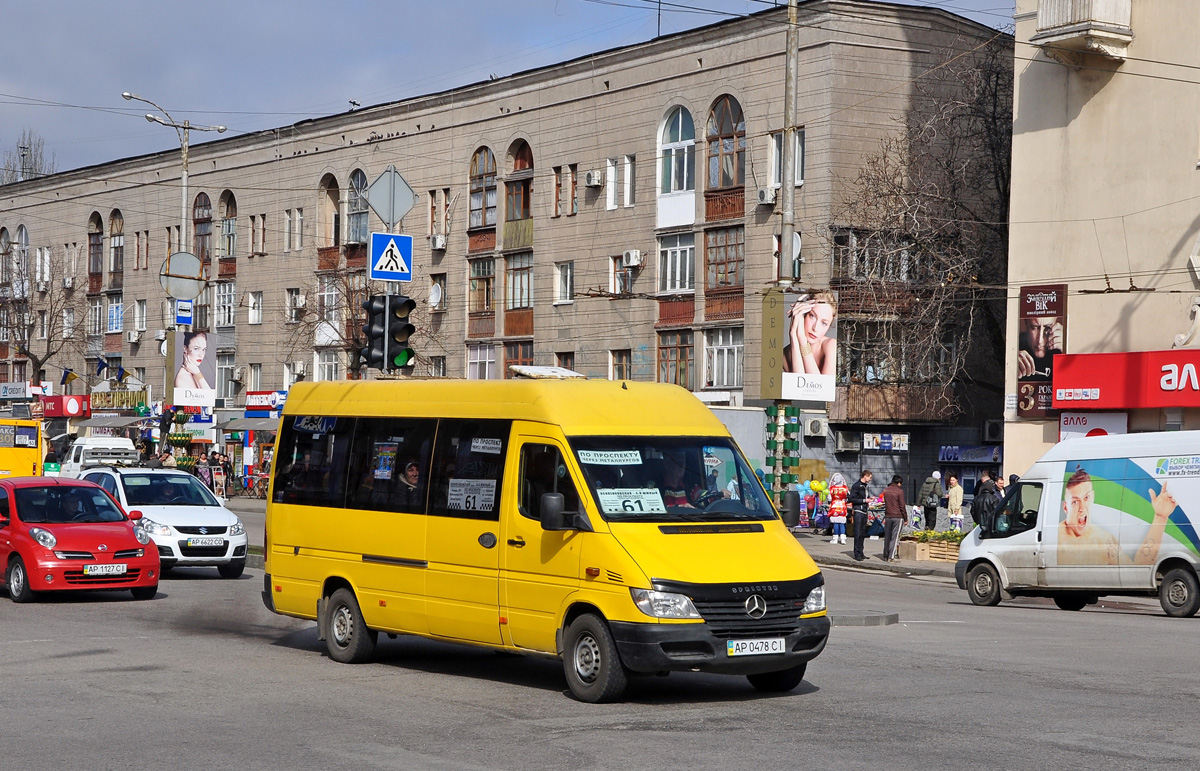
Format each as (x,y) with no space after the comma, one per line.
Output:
(256,64)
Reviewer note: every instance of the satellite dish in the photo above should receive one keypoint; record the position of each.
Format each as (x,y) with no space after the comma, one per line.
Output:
(182,276)
(795,244)
(435,295)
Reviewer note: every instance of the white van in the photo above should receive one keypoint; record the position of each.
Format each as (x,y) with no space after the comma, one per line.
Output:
(91,451)
(1106,515)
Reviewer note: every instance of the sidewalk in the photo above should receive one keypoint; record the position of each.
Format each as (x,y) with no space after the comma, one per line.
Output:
(842,555)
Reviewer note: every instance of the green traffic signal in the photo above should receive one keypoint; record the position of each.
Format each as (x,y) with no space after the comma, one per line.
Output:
(399,329)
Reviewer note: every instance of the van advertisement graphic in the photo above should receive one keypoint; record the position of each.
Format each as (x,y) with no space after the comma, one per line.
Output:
(1125,512)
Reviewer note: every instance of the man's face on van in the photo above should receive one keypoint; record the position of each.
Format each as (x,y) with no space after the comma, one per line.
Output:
(1077,504)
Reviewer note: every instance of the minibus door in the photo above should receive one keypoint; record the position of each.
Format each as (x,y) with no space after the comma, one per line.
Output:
(538,568)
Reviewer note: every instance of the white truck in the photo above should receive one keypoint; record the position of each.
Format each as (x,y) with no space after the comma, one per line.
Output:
(91,451)
(1106,515)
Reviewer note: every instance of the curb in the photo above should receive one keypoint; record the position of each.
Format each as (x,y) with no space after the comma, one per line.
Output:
(864,618)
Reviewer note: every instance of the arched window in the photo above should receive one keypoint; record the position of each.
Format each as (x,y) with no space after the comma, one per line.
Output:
(483,189)
(5,256)
(726,144)
(330,218)
(519,187)
(21,255)
(357,208)
(202,227)
(116,242)
(678,153)
(95,244)
(227,247)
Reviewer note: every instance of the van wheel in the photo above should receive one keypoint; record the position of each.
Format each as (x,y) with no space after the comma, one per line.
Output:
(778,682)
(346,634)
(1071,601)
(18,582)
(1179,593)
(590,661)
(983,585)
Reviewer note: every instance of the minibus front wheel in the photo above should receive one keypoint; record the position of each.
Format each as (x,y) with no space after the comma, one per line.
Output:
(590,661)
(346,634)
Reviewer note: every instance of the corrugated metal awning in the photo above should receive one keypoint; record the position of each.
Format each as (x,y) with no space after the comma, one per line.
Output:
(117,421)
(251,424)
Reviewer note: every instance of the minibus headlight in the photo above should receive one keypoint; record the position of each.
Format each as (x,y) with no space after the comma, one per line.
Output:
(816,601)
(664,604)
(43,536)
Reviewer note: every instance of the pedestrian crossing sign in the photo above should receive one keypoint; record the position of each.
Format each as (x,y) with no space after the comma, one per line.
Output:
(391,257)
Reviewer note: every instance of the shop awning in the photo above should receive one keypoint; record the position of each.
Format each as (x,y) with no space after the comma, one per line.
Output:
(118,421)
(251,424)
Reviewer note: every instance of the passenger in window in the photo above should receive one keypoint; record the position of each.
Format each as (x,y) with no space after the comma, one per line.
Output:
(408,493)
(675,491)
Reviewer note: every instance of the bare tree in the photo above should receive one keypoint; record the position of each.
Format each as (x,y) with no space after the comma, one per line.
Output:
(921,244)
(41,311)
(27,160)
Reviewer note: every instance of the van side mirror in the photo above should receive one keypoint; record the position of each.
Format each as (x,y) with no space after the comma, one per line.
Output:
(552,512)
(791,509)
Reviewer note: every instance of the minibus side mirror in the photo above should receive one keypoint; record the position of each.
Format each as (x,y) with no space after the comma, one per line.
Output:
(552,512)
(791,508)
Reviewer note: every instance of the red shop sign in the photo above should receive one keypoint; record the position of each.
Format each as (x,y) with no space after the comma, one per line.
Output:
(1126,381)
(66,406)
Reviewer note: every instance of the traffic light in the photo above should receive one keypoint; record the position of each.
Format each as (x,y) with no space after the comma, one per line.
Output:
(399,328)
(374,354)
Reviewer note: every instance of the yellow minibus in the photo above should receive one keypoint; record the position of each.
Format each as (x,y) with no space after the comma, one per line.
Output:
(612,524)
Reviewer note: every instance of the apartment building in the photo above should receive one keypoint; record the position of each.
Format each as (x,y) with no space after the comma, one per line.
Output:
(1105,237)
(617,214)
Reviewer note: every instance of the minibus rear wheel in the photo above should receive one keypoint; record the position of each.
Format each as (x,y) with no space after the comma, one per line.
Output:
(1179,593)
(779,682)
(593,668)
(983,585)
(346,634)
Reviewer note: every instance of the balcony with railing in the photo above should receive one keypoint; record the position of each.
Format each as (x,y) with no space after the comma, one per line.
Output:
(724,304)
(677,311)
(227,267)
(518,234)
(328,257)
(1068,29)
(725,204)
(482,240)
(890,403)
(356,256)
(481,324)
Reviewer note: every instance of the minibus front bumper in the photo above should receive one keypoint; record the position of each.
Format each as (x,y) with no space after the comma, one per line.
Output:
(686,647)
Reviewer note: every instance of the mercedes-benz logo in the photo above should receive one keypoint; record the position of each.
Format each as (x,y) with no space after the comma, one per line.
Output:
(756,606)
(102,547)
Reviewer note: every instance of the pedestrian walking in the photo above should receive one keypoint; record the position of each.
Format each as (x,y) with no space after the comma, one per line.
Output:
(838,506)
(893,516)
(928,499)
(860,511)
(954,493)
(986,500)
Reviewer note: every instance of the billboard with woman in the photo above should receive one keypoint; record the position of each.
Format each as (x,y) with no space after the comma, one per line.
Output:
(195,371)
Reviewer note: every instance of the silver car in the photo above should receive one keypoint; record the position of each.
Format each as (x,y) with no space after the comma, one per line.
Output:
(186,521)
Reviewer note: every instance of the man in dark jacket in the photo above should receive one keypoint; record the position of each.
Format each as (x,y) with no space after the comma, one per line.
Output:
(859,510)
(986,500)
(893,516)
(931,492)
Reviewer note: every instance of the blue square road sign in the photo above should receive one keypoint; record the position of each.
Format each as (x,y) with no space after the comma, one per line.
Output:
(391,257)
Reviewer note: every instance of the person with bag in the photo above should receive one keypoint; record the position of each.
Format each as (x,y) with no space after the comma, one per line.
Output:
(986,500)
(928,499)
(860,510)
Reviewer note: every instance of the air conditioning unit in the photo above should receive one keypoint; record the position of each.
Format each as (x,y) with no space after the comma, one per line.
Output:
(766,196)
(68,282)
(133,336)
(816,427)
(43,286)
(847,441)
(993,430)
(239,374)
(632,258)
(300,369)
(160,334)
(593,179)
(437,242)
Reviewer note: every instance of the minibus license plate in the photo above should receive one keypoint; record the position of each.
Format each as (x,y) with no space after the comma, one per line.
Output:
(114,569)
(754,647)
(206,542)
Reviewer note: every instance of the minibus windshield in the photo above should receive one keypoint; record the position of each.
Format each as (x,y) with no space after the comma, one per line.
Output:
(670,479)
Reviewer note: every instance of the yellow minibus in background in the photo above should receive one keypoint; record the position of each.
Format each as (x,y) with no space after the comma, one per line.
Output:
(612,524)
(22,447)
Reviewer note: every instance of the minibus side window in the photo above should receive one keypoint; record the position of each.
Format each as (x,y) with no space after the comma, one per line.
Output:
(468,468)
(543,471)
(389,464)
(311,462)
(1019,512)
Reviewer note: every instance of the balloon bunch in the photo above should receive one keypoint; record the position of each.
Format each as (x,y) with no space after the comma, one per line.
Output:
(814,487)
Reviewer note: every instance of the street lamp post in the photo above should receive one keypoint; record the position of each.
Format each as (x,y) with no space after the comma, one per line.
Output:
(182,130)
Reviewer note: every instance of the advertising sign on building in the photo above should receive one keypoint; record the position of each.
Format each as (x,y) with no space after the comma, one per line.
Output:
(195,369)
(1072,425)
(1042,334)
(799,357)
(1127,381)
(66,406)
(885,442)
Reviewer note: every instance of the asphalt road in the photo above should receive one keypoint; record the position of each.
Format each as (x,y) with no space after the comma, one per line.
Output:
(204,677)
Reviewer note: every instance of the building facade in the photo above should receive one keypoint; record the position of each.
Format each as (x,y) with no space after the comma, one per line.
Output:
(1104,235)
(617,214)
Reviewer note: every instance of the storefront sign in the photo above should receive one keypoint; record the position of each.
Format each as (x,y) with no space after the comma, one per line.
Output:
(10,391)
(1127,381)
(264,404)
(118,400)
(885,442)
(1042,325)
(1072,425)
(66,406)
(953,453)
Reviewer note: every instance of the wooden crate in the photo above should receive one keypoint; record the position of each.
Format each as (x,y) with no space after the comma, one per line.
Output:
(912,550)
(943,551)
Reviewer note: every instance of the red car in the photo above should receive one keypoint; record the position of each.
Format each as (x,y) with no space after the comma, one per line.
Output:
(61,534)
